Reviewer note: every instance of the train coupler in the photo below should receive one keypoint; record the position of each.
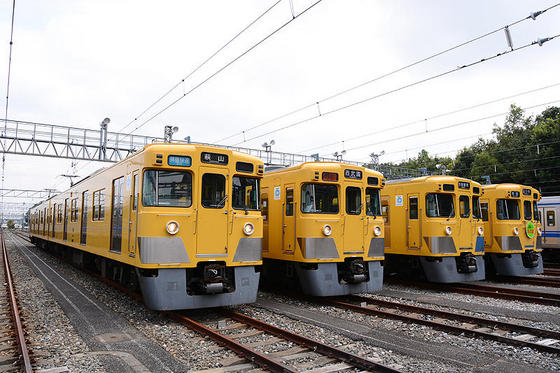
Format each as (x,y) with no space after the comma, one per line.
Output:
(353,271)
(466,263)
(530,259)
(211,278)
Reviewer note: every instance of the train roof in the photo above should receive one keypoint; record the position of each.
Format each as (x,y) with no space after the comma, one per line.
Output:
(434,179)
(325,166)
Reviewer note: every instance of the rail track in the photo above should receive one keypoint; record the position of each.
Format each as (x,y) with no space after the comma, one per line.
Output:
(234,326)
(529,296)
(13,347)
(538,281)
(551,272)
(510,333)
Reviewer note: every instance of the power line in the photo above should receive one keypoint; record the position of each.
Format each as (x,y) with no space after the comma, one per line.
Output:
(203,63)
(532,15)
(517,171)
(447,127)
(539,42)
(514,162)
(225,66)
(425,120)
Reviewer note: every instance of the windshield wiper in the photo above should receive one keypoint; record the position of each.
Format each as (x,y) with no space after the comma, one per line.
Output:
(222,202)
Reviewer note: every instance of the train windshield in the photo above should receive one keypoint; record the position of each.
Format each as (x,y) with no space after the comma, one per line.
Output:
(464,207)
(508,209)
(536,215)
(319,199)
(245,193)
(167,188)
(476,207)
(440,205)
(373,202)
(527,210)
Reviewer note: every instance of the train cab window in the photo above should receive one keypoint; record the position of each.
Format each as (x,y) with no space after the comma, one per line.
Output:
(464,207)
(527,210)
(507,209)
(214,191)
(353,201)
(135,193)
(440,205)
(476,208)
(550,219)
(289,202)
(484,211)
(413,208)
(245,193)
(373,202)
(536,214)
(170,188)
(319,199)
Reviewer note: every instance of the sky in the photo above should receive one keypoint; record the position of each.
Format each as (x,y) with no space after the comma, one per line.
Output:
(76,62)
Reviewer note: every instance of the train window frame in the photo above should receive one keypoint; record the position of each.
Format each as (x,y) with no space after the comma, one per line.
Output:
(413,213)
(462,204)
(550,218)
(353,189)
(145,200)
(476,208)
(98,205)
(370,208)
(507,201)
(223,200)
(484,210)
(74,210)
(289,210)
(536,214)
(438,195)
(256,198)
(527,209)
(304,204)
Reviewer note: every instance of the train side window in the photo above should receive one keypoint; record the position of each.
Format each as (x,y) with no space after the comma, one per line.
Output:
(264,204)
(289,202)
(99,205)
(484,210)
(353,200)
(74,210)
(550,218)
(527,213)
(135,193)
(464,206)
(385,209)
(213,191)
(413,207)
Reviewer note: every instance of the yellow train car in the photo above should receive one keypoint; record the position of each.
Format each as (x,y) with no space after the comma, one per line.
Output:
(181,221)
(433,228)
(510,215)
(323,228)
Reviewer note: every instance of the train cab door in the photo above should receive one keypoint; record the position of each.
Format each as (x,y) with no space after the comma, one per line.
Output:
(353,221)
(117,215)
(487,221)
(288,220)
(413,223)
(212,214)
(133,214)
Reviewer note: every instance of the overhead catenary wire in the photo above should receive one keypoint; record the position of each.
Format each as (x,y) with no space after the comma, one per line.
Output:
(410,123)
(344,107)
(268,36)
(532,15)
(203,63)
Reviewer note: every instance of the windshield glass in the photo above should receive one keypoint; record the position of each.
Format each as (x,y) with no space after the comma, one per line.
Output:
(245,193)
(440,205)
(353,201)
(373,202)
(319,199)
(476,207)
(464,207)
(167,188)
(527,210)
(508,209)
(536,215)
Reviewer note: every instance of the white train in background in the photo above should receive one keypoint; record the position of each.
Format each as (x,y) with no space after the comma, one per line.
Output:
(549,211)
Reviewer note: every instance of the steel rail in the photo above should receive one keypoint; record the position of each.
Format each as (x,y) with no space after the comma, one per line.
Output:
(440,325)
(548,282)
(20,335)
(355,360)
(551,272)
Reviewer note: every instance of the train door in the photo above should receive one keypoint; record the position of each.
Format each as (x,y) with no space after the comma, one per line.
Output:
(466,228)
(353,237)
(53,218)
(386,219)
(413,220)
(266,224)
(212,214)
(83,228)
(288,220)
(133,213)
(487,223)
(116,215)
(65,229)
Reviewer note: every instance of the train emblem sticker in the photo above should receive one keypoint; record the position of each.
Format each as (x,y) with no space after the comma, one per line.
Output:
(399,200)
(276,192)
(530,229)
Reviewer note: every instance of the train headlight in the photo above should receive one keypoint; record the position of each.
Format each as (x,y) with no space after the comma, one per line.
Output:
(248,229)
(377,230)
(448,230)
(327,230)
(172,227)
(516,231)
(480,231)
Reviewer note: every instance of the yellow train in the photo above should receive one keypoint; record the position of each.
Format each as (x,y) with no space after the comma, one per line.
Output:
(182,222)
(323,228)
(513,241)
(433,228)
